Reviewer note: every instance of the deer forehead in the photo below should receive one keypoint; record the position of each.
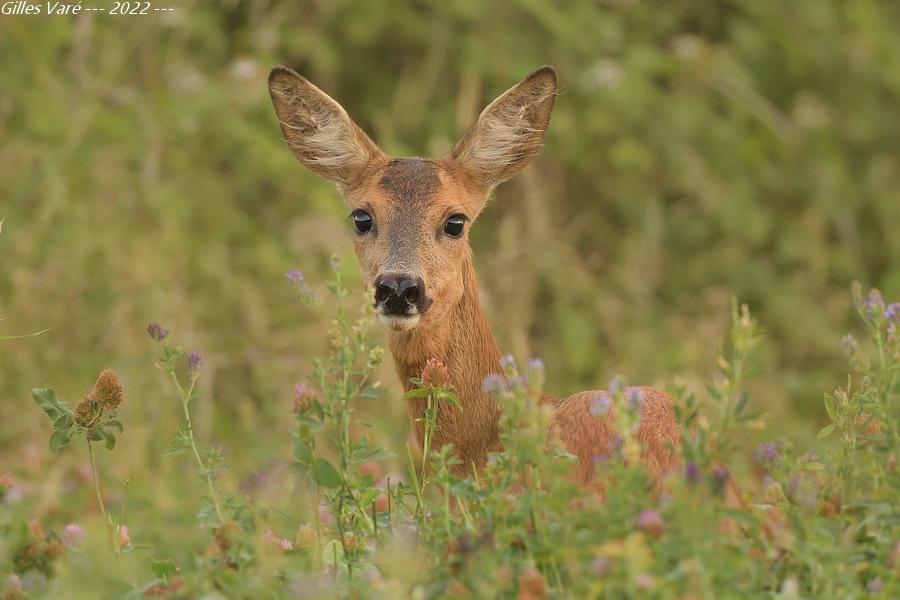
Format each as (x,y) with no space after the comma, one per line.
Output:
(410,192)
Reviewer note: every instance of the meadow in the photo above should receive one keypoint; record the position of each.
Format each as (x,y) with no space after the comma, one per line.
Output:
(715,179)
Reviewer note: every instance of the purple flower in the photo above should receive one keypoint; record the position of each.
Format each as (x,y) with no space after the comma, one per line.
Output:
(600,457)
(616,385)
(334,262)
(73,535)
(649,520)
(892,312)
(721,475)
(535,368)
(601,404)
(507,361)
(195,361)
(294,276)
(635,398)
(493,383)
(156,332)
(875,586)
(692,472)
(599,566)
(765,454)
(874,303)
(298,282)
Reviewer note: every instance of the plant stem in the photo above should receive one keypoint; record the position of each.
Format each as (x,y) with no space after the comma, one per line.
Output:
(206,475)
(96,477)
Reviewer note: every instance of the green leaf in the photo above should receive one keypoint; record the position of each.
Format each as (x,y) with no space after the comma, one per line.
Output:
(163,568)
(301,452)
(325,474)
(829,406)
(46,399)
(417,393)
(825,431)
(108,438)
(117,424)
(58,439)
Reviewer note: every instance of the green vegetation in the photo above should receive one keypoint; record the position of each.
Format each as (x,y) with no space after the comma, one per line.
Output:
(699,151)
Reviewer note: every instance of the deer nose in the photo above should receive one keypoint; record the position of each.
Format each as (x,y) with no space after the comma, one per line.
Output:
(398,294)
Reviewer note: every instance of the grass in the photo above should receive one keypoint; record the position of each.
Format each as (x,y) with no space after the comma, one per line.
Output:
(819,524)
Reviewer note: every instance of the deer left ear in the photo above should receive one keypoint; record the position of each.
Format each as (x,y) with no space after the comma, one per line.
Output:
(510,131)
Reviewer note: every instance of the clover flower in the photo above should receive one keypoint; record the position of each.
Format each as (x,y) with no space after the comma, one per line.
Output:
(88,411)
(601,404)
(435,374)
(765,454)
(692,472)
(304,395)
(74,535)
(195,361)
(634,397)
(156,332)
(494,383)
(650,521)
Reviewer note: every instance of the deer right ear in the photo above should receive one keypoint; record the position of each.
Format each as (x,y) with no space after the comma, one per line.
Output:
(318,130)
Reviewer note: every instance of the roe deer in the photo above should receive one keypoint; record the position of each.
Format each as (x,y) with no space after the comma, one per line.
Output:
(412,219)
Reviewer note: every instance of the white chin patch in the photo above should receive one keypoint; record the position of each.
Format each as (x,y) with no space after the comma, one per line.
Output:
(397,323)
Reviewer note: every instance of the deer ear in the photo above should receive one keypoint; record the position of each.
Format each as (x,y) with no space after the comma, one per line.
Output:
(318,130)
(509,132)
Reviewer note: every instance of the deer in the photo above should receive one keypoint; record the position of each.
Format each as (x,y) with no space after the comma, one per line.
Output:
(411,218)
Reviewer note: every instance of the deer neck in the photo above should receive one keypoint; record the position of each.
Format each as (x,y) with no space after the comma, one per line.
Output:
(464,343)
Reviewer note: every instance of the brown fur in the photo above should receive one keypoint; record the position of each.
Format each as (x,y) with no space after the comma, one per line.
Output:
(409,201)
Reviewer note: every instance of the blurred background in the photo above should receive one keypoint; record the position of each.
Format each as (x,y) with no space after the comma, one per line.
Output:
(699,150)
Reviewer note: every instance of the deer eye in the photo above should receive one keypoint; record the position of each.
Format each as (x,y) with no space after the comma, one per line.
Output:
(362,221)
(454,225)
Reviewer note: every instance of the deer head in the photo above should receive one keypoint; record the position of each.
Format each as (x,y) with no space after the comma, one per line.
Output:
(411,216)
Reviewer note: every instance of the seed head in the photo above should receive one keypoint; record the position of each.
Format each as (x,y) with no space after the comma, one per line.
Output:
(107,389)
(156,332)
(435,374)
(88,411)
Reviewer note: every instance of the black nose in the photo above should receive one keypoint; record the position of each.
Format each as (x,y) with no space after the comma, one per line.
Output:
(400,294)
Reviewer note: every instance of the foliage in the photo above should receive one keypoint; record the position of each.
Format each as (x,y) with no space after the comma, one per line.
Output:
(822,525)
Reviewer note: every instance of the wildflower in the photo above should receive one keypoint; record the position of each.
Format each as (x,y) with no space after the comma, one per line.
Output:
(195,361)
(7,480)
(600,405)
(435,374)
(507,360)
(765,454)
(108,390)
(156,332)
(721,475)
(650,521)
(875,586)
(74,535)
(644,581)
(634,397)
(88,411)
(304,396)
(616,385)
(382,503)
(892,312)
(534,370)
(298,282)
(273,541)
(692,472)
(494,383)
(874,303)
(334,262)
(599,565)
(124,540)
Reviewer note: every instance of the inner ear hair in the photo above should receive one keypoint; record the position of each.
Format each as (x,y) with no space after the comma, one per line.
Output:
(318,130)
(510,131)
